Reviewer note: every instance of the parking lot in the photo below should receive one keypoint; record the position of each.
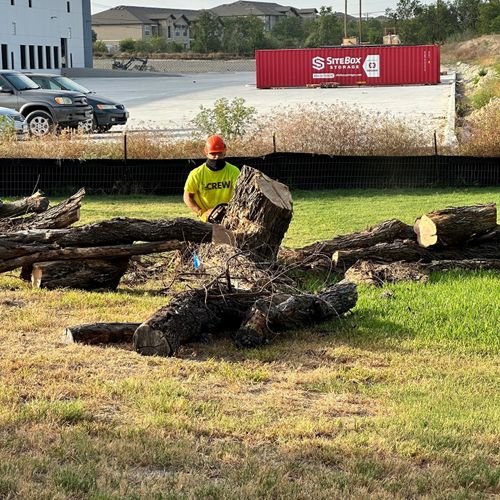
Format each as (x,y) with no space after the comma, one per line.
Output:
(171,102)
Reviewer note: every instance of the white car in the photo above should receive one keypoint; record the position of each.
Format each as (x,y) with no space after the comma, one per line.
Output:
(12,118)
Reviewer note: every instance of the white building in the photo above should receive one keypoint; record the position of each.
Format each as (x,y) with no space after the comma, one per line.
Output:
(45,34)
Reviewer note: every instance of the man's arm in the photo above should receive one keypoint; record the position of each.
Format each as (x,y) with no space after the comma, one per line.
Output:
(191,203)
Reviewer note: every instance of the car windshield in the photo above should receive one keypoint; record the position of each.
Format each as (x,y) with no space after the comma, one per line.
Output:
(21,82)
(67,84)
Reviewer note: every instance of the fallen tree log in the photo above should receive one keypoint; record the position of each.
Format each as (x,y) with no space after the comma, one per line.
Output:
(35,203)
(190,316)
(271,315)
(410,251)
(85,274)
(466,264)
(60,216)
(69,253)
(320,253)
(100,333)
(455,225)
(259,214)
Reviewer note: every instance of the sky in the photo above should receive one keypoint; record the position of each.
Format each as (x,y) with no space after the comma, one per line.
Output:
(373,7)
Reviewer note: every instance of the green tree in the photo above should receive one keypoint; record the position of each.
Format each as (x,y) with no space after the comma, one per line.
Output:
(227,118)
(289,32)
(243,35)
(207,33)
(127,45)
(99,47)
(325,30)
(489,17)
(467,13)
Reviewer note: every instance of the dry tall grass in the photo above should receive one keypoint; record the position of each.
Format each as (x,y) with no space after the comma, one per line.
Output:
(480,135)
(312,128)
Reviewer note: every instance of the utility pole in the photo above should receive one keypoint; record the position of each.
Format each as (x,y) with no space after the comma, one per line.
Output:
(345,20)
(359,23)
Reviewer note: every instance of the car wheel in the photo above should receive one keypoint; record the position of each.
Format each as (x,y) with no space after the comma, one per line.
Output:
(104,128)
(86,127)
(40,123)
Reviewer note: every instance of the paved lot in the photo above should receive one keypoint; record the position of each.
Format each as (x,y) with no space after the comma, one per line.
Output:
(171,102)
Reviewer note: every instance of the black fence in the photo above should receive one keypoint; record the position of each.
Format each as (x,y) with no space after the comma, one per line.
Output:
(19,177)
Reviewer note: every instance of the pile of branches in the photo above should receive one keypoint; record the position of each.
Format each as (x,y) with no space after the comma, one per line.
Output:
(465,237)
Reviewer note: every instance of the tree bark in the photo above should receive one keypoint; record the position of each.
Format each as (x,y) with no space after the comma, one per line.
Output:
(271,315)
(60,216)
(258,214)
(320,253)
(466,264)
(189,317)
(85,274)
(453,226)
(100,333)
(44,254)
(35,203)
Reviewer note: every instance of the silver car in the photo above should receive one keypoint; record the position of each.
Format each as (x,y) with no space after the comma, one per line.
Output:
(11,119)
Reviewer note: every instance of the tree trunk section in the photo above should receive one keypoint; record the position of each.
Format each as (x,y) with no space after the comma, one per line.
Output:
(190,316)
(271,315)
(100,333)
(85,274)
(35,203)
(259,214)
(466,264)
(453,226)
(320,253)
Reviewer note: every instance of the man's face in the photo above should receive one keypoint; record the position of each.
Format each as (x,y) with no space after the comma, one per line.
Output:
(216,155)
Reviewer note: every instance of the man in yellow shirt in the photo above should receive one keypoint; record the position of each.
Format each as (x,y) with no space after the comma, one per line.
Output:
(213,182)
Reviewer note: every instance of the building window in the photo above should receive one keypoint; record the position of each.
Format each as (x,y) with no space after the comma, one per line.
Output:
(40,57)
(5,56)
(147,30)
(169,32)
(32,56)
(177,33)
(68,7)
(14,28)
(23,56)
(48,58)
(185,33)
(56,57)
(13,2)
(30,4)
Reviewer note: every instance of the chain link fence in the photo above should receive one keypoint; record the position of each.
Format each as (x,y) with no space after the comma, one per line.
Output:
(179,65)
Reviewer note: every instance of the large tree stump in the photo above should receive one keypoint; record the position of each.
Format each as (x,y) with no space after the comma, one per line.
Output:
(271,315)
(258,214)
(453,226)
(35,203)
(86,274)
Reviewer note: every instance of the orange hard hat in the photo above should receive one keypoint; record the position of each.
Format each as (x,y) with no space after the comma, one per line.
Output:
(215,144)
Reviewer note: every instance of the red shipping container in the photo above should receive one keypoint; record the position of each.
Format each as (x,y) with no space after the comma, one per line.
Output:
(360,65)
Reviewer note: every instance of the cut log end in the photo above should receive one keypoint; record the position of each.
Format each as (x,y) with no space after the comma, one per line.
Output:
(151,342)
(426,231)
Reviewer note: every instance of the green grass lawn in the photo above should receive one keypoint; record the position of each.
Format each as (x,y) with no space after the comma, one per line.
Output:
(400,399)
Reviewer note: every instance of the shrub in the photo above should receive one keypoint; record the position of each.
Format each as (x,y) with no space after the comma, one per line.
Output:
(127,45)
(227,118)
(99,47)
(485,93)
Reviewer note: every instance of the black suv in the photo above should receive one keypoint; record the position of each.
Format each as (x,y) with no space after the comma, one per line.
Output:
(106,112)
(43,109)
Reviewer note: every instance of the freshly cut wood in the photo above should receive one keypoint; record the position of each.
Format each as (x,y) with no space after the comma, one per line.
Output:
(374,274)
(259,214)
(85,274)
(189,317)
(270,316)
(319,253)
(100,333)
(35,203)
(69,253)
(455,225)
